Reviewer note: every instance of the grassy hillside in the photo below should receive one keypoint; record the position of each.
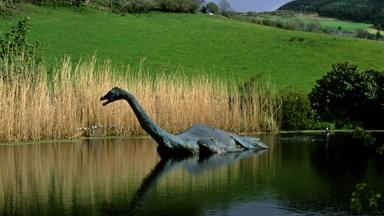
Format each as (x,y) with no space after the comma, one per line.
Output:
(196,44)
(370,11)
(324,22)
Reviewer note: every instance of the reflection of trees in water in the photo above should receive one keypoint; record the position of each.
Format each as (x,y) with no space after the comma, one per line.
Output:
(344,162)
(320,177)
(126,175)
(80,178)
(297,185)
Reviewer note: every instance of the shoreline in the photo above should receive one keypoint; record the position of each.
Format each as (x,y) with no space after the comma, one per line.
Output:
(80,139)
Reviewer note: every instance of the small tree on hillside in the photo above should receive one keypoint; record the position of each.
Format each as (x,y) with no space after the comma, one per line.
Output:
(212,7)
(225,8)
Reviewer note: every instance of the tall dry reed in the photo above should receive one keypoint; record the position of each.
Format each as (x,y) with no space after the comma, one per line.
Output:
(37,104)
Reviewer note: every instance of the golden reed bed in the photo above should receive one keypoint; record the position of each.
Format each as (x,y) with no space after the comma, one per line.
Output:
(36,104)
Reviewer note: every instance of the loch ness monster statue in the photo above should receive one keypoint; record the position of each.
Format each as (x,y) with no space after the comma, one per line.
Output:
(198,140)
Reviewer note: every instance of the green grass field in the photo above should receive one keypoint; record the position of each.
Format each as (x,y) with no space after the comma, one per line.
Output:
(324,22)
(374,31)
(334,23)
(195,43)
(344,25)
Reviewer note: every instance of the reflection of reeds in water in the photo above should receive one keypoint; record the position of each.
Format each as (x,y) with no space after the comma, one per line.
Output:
(37,105)
(71,173)
(43,178)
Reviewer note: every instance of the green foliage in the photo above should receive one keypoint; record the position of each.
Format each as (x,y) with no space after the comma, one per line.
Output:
(212,7)
(312,23)
(225,8)
(130,6)
(14,46)
(76,3)
(356,197)
(283,22)
(363,33)
(7,7)
(366,137)
(3,6)
(364,200)
(140,6)
(380,150)
(133,6)
(296,110)
(355,10)
(346,95)
(189,6)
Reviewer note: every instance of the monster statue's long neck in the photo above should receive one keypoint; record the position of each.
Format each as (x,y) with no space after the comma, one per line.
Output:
(161,136)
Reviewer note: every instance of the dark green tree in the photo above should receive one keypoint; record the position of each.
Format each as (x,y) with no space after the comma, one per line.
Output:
(212,7)
(185,6)
(345,95)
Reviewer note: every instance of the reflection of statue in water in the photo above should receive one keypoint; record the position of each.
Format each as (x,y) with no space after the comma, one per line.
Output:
(199,139)
(193,165)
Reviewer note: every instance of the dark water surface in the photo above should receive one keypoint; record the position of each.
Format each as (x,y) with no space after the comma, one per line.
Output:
(298,175)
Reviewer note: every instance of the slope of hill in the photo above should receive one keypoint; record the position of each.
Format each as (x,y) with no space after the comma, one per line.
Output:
(370,11)
(195,43)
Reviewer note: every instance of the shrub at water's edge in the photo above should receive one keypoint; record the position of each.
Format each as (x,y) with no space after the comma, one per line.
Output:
(350,97)
(296,110)
(343,98)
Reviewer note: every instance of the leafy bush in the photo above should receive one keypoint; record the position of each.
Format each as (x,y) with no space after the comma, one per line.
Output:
(133,6)
(296,110)
(312,27)
(14,43)
(364,136)
(3,6)
(186,6)
(7,7)
(211,7)
(362,33)
(345,95)
(365,200)
(16,50)
(56,2)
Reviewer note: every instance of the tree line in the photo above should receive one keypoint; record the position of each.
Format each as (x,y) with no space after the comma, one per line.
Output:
(369,11)
(137,6)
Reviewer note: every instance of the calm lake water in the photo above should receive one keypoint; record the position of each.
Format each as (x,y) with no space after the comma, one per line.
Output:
(298,175)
